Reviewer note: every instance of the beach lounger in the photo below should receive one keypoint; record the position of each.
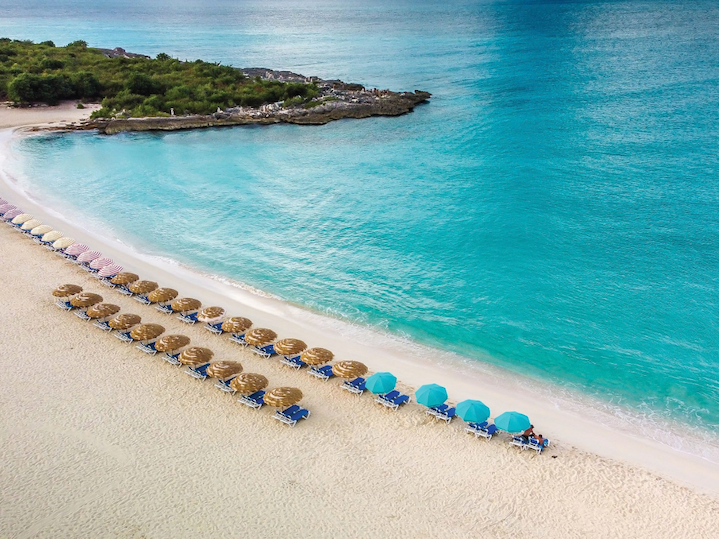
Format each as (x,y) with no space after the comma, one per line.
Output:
(520,442)
(102,324)
(124,336)
(291,415)
(264,351)
(142,298)
(199,372)
(188,318)
(393,400)
(323,373)
(484,429)
(164,308)
(436,409)
(534,444)
(124,290)
(172,359)
(256,400)
(81,314)
(239,339)
(224,385)
(214,328)
(65,305)
(147,348)
(446,415)
(294,362)
(356,386)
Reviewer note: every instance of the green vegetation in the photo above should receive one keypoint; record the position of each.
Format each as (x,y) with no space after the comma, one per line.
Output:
(42,72)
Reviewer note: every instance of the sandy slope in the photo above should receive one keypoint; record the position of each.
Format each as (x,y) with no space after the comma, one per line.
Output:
(99,439)
(65,113)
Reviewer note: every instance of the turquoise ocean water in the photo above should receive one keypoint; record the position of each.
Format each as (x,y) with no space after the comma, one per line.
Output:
(553,210)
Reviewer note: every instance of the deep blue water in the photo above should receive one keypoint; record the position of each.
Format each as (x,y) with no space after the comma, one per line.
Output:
(553,210)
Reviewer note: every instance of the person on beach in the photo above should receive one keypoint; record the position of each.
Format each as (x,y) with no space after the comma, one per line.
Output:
(528,433)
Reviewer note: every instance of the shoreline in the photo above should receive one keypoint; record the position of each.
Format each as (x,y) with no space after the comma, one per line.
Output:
(500,390)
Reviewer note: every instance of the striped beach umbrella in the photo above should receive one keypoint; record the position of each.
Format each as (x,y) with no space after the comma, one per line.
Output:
(109,271)
(12,214)
(20,219)
(349,369)
(76,249)
(66,290)
(6,208)
(63,243)
(100,263)
(184,305)
(103,310)
(260,336)
(381,382)
(209,314)
(282,397)
(512,422)
(88,256)
(29,225)
(3,201)
(317,356)
(40,230)
(161,295)
(249,382)
(431,395)
(224,369)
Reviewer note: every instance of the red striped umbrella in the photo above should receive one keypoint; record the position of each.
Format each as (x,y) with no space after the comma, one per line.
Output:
(3,201)
(76,249)
(12,214)
(89,256)
(6,208)
(100,263)
(110,271)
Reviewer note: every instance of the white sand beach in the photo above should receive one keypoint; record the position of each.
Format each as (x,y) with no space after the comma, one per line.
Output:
(101,439)
(65,113)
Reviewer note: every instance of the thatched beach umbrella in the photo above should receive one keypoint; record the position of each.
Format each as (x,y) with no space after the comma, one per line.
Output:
(41,230)
(124,278)
(168,343)
(317,356)
(124,321)
(63,243)
(224,369)
(161,295)
(146,332)
(210,313)
(21,219)
(260,336)
(86,299)
(349,369)
(66,290)
(52,236)
(282,397)
(290,347)
(195,355)
(142,287)
(248,382)
(102,310)
(29,225)
(236,324)
(183,305)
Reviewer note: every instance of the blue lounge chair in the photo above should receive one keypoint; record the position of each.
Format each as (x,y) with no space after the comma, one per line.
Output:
(188,318)
(142,298)
(164,308)
(484,429)
(519,441)
(148,348)
(256,400)
(291,415)
(238,338)
(394,399)
(224,385)
(82,314)
(214,328)
(124,336)
(172,359)
(64,305)
(294,362)
(354,386)
(264,351)
(124,290)
(323,373)
(199,372)
(102,324)
(446,415)
(534,444)
(436,409)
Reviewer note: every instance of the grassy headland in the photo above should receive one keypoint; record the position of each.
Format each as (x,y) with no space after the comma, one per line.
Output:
(138,86)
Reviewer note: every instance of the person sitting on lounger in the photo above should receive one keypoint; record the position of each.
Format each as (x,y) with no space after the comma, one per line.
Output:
(528,433)
(540,440)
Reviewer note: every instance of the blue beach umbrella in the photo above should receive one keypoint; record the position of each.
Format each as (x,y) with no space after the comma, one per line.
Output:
(431,395)
(381,382)
(512,422)
(473,411)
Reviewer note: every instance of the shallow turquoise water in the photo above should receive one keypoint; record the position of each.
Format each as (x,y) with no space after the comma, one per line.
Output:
(553,210)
